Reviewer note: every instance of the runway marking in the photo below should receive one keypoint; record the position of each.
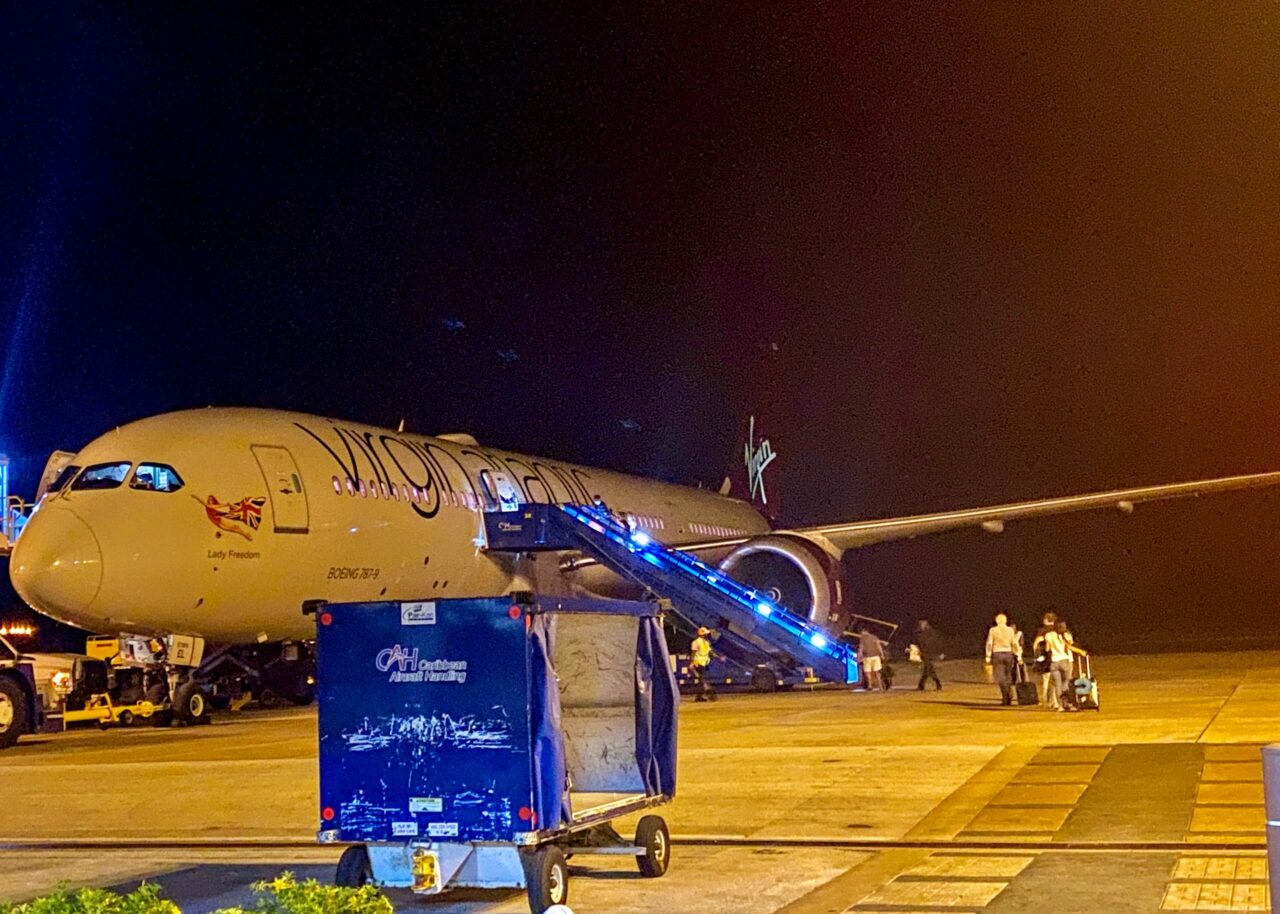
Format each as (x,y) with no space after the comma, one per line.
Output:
(1037,800)
(981,866)
(1218,883)
(1039,795)
(1217,869)
(930,893)
(1233,771)
(1233,752)
(1019,820)
(950,817)
(1229,800)
(1216,896)
(1071,755)
(1231,819)
(1230,794)
(1056,774)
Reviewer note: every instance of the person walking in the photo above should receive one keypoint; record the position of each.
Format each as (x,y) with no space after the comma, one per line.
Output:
(871,653)
(1004,655)
(699,660)
(1040,651)
(1060,646)
(929,643)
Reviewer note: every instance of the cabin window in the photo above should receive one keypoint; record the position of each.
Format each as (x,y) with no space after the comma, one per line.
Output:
(364,493)
(351,486)
(155,477)
(64,476)
(337,486)
(373,488)
(102,476)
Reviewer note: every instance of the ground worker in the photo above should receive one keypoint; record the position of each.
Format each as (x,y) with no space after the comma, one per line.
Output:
(699,660)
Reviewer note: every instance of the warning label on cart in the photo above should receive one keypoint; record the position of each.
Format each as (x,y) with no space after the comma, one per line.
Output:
(404,829)
(426,804)
(442,829)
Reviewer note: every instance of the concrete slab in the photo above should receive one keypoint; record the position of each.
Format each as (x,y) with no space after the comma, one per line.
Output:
(830,766)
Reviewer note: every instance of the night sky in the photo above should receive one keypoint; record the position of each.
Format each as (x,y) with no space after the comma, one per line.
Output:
(950,254)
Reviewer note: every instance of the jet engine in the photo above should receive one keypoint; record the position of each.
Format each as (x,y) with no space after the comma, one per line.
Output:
(801,573)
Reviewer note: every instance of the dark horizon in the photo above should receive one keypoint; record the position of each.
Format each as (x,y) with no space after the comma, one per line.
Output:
(949,256)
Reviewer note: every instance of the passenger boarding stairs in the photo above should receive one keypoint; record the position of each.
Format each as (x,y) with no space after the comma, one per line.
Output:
(752,629)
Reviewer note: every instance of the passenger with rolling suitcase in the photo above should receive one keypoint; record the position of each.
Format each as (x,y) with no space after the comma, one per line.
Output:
(1059,645)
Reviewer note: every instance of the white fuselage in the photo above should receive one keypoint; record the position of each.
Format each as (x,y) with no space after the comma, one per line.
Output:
(278,508)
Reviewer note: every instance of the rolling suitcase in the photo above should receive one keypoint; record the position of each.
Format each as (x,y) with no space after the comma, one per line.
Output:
(1026,690)
(1086,687)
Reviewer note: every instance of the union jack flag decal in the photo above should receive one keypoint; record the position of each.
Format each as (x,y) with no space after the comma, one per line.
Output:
(241,517)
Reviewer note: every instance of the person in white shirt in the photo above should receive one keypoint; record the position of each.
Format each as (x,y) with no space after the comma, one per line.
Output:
(1060,646)
(1004,653)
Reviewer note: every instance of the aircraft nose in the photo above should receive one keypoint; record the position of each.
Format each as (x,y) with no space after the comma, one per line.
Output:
(56,565)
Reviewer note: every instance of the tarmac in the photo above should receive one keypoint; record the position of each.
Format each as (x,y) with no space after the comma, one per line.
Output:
(806,802)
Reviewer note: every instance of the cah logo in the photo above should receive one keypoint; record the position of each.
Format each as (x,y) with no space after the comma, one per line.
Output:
(757,458)
(417,614)
(241,517)
(404,661)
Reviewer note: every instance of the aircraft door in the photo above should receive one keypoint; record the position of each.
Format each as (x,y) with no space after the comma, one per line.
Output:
(284,485)
(500,491)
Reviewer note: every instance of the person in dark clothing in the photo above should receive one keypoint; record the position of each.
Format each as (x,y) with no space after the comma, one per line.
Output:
(930,645)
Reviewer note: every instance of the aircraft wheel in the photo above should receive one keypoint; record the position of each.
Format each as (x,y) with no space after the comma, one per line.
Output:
(126,718)
(546,876)
(13,712)
(354,869)
(189,703)
(652,836)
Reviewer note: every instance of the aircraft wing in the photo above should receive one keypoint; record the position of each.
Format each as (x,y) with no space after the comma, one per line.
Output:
(993,519)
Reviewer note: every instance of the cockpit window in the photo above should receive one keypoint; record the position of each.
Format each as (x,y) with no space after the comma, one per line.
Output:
(64,476)
(101,476)
(155,477)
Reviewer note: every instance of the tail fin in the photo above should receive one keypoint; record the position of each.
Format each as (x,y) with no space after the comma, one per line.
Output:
(748,479)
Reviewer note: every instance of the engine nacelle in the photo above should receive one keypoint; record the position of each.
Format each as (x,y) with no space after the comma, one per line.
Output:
(800,573)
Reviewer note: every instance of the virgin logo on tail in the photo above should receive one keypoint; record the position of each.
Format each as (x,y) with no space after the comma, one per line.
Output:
(756,459)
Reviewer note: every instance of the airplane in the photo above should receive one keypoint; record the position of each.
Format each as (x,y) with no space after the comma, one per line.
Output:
(221,522)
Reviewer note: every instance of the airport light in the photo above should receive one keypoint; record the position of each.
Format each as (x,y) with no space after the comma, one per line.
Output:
(640,538)
(764,609)
(817,640)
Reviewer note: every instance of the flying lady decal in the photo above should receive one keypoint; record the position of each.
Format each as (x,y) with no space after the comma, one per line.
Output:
(241,517)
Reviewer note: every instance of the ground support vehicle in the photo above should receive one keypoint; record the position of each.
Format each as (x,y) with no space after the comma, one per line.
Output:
(480,743)
(22,707)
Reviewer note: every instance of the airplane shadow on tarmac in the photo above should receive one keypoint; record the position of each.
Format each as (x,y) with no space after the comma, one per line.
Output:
(993,705)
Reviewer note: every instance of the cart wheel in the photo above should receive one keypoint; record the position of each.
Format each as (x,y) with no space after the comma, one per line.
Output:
(547,877)
(653,838)
(162,718)
(354,869)
(126,718)
(763,680)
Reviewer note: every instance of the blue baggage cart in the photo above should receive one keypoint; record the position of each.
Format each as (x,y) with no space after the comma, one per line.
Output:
(479,743)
